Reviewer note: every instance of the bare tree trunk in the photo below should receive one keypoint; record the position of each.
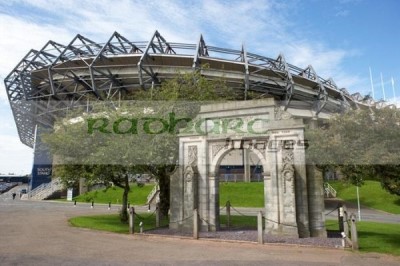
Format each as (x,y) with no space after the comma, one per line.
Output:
(124,211)
(164,192)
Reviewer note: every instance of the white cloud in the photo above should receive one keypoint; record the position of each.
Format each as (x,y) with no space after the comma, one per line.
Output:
(14,156)
(18,37)
(326,62)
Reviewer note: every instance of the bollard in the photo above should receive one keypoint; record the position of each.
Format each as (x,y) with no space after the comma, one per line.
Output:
(345,220)
(195,224)
(346,242)
(157,215)
(92,205)
(228,214)
(343,239)
(132,220)
(260,228)
(109,205)
(354,235)
(340,217)
(149,208)
(75,203)
(141,227)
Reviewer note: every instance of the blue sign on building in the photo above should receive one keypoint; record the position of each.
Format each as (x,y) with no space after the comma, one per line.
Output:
(42,162)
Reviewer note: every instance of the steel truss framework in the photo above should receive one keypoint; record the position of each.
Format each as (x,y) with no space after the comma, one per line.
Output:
(49,82)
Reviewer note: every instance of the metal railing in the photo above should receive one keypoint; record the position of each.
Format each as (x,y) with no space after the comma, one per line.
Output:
(153,193)
(329,191)
(258,177)
(45,190)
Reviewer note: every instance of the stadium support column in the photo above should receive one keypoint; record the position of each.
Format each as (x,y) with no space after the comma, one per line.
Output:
(42,160)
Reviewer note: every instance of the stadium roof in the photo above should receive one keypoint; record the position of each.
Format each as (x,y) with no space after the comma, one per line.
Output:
(49,82)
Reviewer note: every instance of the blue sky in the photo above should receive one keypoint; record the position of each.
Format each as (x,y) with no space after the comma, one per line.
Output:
(339,38)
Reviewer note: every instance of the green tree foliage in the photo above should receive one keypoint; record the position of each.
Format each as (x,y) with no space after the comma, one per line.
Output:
(79,154)
(362,144)
(183,97)
(138,136)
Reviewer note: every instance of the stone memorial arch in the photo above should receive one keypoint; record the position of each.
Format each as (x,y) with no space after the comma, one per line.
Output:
(293,193)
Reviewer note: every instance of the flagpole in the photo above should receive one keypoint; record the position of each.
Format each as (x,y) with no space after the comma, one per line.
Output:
(372,83)
(383,88)
(394,92)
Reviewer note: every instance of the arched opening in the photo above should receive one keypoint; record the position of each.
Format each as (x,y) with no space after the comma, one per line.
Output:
(239,176)
(240,165)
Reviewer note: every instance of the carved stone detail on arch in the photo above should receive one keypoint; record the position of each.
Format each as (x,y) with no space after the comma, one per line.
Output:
(260,147)
(215,148)
(192,155)
(281,114)
(287,171)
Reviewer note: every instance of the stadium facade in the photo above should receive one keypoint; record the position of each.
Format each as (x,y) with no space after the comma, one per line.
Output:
(48,82)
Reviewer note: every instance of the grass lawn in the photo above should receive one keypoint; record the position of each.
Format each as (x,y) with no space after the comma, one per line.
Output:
(376,237)
(236,221)
(108,222)
(111,222)
(371,195)
(373,237)
(137,196)
(242,194)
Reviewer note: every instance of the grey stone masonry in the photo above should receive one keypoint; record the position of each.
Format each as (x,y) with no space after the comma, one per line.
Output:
(292,190)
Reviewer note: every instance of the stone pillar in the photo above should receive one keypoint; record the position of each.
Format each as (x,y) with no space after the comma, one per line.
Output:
(301,189)
(286,175)
(190,183)
(214,203)
(260,231)
(271,211)
(271,191)
(195,224)
(316,206)
(176,199)
(354,234)
(184,188)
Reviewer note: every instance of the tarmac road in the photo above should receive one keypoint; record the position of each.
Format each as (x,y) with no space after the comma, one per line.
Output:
(331,212)
(37,233)
(367,214)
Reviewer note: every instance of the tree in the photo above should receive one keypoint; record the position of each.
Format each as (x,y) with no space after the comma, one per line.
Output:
(181,96)
(90,156)
(362,144)
(111,142)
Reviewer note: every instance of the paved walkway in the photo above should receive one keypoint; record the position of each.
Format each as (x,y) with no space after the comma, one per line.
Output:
(37,233)
(367,214)
(331,212)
